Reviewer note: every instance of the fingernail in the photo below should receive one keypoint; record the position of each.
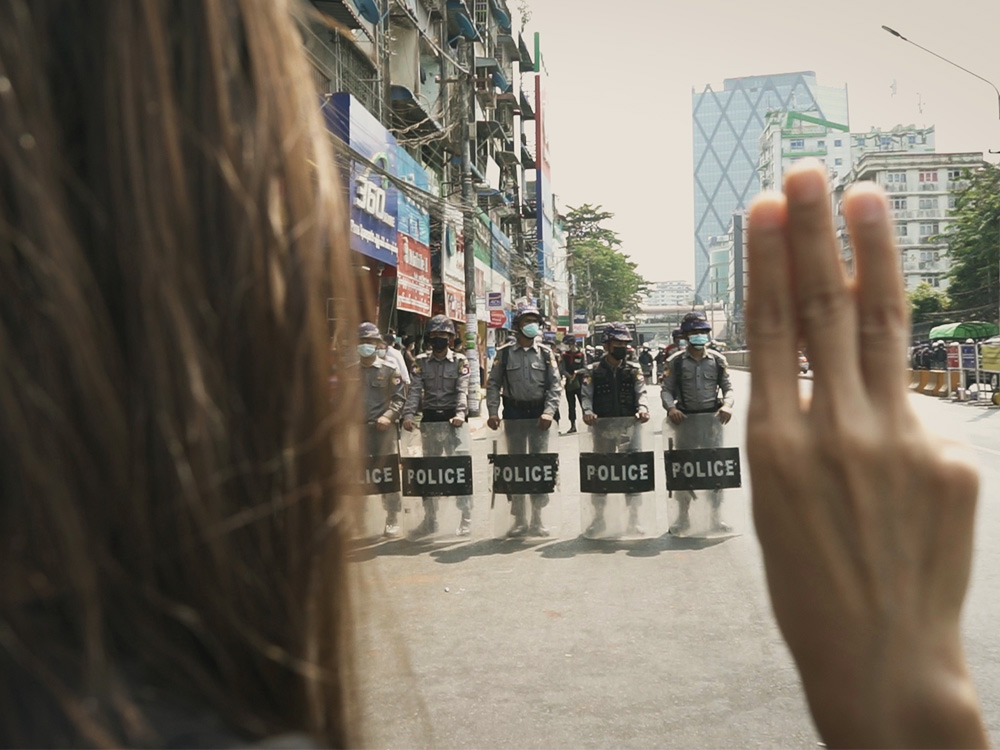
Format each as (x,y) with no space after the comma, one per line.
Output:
(866,204)
(805,182)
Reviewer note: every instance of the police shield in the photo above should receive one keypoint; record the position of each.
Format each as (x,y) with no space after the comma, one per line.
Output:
(617,466)
(437,481)
(524,478)
(702,474)
(380,482)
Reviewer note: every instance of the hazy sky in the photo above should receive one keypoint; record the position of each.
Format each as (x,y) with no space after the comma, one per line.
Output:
(621,74)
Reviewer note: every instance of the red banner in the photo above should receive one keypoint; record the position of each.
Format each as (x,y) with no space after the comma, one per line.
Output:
(413,290)
(454,303)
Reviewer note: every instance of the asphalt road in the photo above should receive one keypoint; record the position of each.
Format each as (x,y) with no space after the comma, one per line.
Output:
(661,642)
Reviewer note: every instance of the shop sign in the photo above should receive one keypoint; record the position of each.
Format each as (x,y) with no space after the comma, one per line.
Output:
(414,291)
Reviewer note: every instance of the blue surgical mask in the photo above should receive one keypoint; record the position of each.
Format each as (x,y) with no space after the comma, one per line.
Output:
(366,350)
(698,339)
(382,352)
(530,330)
(682,342)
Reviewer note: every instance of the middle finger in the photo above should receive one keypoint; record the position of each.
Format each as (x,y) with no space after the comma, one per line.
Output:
(824,297)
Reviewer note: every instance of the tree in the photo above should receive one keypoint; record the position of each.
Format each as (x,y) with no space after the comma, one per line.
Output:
(973,240)
(925,300)
(606,280)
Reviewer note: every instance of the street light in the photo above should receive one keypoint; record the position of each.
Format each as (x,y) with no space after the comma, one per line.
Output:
(974,75)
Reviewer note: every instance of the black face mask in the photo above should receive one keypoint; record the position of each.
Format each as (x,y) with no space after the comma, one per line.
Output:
(618,352)
(439,344)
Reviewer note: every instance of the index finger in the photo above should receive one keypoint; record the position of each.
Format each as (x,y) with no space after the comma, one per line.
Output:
(772,332)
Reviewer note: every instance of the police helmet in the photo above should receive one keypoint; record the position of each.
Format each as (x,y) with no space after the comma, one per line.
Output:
(525,312)
(695,321)
(677,334)
(616,332)
(440,324)
(368,331)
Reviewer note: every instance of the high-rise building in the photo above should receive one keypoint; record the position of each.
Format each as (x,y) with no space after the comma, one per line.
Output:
(922,190)
(669,293)
(727,128)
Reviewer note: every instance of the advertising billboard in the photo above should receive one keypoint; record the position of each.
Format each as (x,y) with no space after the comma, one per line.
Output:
(414,290)
(371,195)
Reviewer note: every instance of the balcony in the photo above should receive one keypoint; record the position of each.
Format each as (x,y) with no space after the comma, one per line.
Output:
(902,214)
(930,186)
(895,187)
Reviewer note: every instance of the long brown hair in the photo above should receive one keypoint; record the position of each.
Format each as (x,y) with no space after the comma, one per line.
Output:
(170,505)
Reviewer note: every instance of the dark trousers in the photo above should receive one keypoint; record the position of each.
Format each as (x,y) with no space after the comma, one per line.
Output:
(616,440)
(523,436)
(571,399)
(384,443)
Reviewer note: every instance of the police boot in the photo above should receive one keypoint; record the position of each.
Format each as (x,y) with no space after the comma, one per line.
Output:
(465,525)
(536,528)
(520,526)
(683,522)
(718,525)
(391,524)
(572,428)
(429,525)
(633,528)
(597,526)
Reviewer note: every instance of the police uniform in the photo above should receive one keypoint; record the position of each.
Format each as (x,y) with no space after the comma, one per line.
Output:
(693,386)
(572,364)
(382,396)
(615,391)
(439,388)
(526,380)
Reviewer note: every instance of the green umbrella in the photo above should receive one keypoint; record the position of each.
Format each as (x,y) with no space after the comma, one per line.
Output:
(972,329)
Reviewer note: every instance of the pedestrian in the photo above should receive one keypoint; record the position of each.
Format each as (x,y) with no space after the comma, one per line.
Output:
(697,382)
(439,388)
(383,400)
(390,353)
(525,378)
(614,387)
(571,364)
(409,342)
(646,363)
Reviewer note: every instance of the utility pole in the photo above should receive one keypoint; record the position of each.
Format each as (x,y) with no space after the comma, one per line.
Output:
(466,92)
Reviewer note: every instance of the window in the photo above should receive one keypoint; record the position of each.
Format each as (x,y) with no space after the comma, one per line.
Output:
(928,229)
(912,139)
(952,201)
(954,174)
(797,144)
(899,204)
(886,140)
(896,177)
(836,143)
(901,230)
(928,175)
(928,203)
(820,144)
(861,141)
(838,162)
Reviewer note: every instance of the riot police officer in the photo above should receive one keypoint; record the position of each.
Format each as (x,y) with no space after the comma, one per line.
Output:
(439,387)
(571,365)
(693,381)
(614,387)
(382,394)
(525,378)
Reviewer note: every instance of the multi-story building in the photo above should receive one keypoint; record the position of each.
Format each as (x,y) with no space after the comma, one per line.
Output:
(727,128)
(435,105)
(902,138)
(789,136)
(669,293)
(922,190)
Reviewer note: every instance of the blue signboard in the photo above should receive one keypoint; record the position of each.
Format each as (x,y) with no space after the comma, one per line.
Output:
(414,220)
(372,196)
(968,356)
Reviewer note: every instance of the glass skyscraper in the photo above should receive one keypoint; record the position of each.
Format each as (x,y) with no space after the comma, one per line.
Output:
(727,129)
